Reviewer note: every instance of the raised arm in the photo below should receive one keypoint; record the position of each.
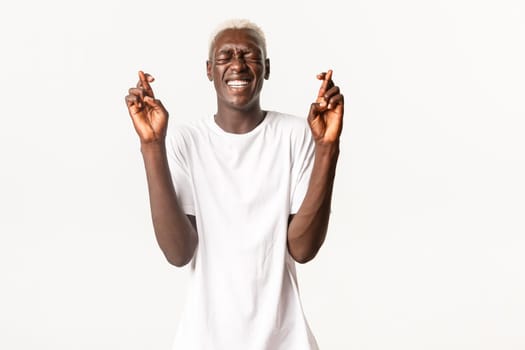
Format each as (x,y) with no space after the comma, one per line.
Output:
(307,228)
(175,232)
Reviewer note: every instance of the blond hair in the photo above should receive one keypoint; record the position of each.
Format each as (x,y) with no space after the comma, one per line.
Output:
(237,23)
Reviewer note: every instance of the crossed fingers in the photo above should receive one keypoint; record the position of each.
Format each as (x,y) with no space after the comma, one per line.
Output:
(141,91)
(329,95)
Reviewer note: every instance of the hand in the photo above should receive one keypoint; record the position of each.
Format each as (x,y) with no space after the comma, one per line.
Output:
(149,116)
(326,113)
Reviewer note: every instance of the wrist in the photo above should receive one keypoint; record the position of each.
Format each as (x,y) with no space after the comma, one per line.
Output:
(153,146)
(327,150)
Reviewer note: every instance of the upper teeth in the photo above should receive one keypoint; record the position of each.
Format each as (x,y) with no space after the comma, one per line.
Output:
(237,83)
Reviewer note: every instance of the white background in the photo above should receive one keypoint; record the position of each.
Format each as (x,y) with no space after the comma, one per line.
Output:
(426,243)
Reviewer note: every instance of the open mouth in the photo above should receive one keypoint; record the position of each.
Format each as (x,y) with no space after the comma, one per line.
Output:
(238,83)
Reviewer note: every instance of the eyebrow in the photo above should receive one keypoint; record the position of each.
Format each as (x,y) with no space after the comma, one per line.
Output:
(229,47)
(226,50)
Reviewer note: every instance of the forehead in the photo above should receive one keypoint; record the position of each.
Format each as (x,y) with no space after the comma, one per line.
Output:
(232,37)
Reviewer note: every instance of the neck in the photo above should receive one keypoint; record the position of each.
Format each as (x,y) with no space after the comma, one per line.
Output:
(239,122)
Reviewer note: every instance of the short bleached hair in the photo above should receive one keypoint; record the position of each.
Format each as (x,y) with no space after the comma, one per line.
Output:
(237,23)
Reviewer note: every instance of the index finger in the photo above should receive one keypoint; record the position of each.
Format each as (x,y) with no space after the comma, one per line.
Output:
(326,81)
(145,83)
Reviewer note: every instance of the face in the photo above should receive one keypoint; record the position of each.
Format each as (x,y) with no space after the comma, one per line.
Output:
(237,67)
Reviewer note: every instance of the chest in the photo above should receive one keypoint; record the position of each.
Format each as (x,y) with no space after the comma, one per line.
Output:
(245,171)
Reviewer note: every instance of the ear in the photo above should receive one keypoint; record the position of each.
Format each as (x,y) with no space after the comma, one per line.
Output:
(208,70)
(267,68)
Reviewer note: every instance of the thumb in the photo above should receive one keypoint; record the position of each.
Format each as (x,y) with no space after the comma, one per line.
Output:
(315,109)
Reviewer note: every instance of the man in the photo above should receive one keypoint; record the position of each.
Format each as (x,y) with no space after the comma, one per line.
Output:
(241,195)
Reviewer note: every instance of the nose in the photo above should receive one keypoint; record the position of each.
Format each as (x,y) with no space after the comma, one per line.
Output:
(238,62)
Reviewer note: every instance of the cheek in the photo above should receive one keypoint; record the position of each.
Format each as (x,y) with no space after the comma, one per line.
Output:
(218,73)
(217,84)
(263,74)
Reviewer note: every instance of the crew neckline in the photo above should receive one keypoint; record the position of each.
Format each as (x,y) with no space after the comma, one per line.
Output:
(213,124)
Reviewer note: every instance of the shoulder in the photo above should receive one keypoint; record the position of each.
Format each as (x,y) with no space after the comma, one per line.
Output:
(184,133)
(288,123)
(285,119)
(294,129)
(183,137)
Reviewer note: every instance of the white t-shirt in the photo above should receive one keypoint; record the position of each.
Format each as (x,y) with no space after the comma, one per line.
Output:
(241,188)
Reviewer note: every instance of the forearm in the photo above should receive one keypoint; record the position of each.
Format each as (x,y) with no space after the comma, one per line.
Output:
(307,230)
(175,234)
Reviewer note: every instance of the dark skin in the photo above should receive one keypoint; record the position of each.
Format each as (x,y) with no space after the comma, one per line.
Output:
(238,67)
(237,56)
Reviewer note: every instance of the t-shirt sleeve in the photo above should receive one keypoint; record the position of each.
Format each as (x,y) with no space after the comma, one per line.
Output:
(180,174)
(301,168)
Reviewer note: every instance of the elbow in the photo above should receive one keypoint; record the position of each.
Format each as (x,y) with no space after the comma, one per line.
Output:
(304,258)
(178,261)
(301,260)
(303,245)
(303,251)
(304,255)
